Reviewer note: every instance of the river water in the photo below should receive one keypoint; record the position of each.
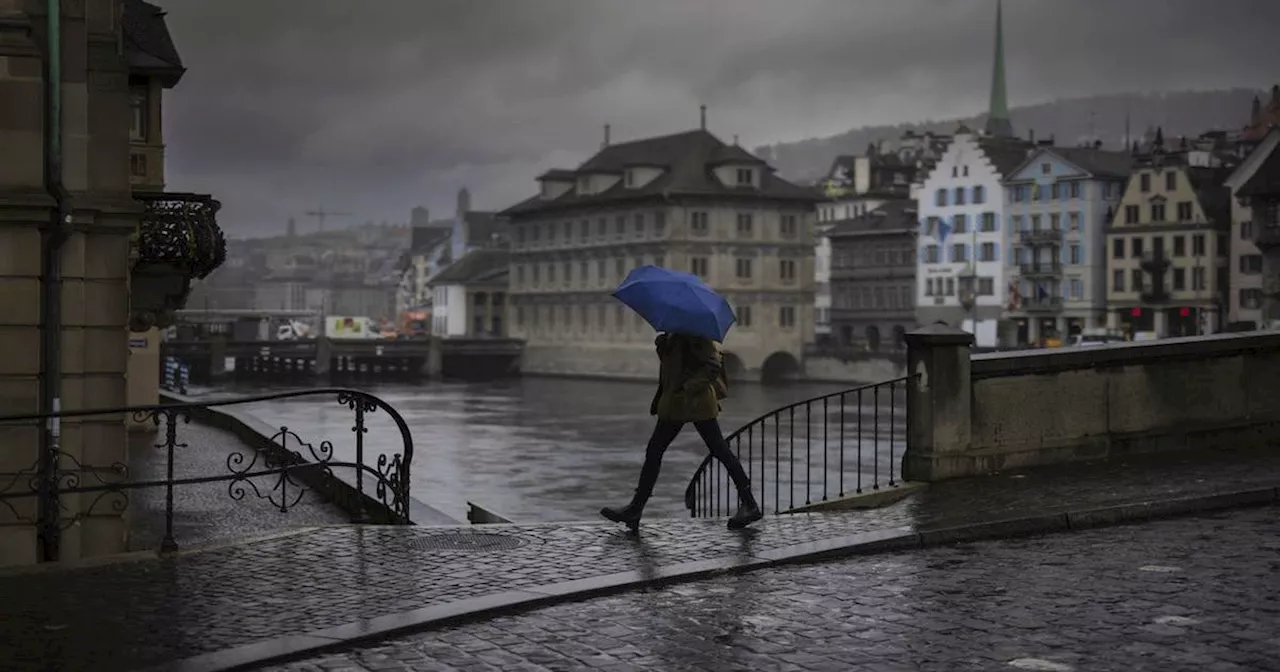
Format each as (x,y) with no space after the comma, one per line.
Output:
(546,449)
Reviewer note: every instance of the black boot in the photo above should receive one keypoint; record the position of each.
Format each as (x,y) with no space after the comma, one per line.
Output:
(748,511)
(628,515)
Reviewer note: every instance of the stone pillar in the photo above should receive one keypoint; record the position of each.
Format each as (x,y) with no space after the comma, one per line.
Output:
(1113,320)
(435,358)
(939,393)
(95,263)
(324,356)
(1161,322)
(1033,332)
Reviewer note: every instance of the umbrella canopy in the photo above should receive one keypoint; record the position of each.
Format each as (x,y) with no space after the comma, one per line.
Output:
(676,302)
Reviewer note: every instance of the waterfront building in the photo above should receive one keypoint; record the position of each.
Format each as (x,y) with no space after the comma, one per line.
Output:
(686,201)
(855,186)
(1255,188)
(873,275)
(1058,206)
(1246,257)
(469,297)
(1168,250)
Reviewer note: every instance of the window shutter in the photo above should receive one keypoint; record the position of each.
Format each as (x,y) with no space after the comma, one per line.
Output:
(996,252)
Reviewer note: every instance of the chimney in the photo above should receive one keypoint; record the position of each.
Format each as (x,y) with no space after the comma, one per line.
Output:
(1031,134)
(702,111)
(606,136)
(735,139)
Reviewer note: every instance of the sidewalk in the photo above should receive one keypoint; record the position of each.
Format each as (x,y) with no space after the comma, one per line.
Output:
(317,585)
(1182,595)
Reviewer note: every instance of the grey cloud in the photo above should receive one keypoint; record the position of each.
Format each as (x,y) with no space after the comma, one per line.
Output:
(375,107)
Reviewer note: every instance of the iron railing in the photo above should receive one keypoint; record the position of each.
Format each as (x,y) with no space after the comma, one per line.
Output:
(812,451)
(280,468)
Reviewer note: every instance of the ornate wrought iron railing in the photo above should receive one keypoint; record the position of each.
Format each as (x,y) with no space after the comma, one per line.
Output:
(812,451)
(281,469)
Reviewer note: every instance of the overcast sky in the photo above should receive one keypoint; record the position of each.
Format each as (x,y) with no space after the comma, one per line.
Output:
(374,106)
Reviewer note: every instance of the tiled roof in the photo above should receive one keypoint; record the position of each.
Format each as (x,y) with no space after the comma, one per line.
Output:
(687,160)
(483,228)
(478,266)
(1098,162)
(1215,197)
(892,215)
(1006,154)
(148,47)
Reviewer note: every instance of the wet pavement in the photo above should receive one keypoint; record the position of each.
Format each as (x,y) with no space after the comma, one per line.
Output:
(548,449)
(165,609)
(1191,594)
(206,513)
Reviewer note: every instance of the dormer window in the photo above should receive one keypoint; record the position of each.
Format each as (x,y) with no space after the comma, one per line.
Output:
(630,178)
(745,177)
(584,185)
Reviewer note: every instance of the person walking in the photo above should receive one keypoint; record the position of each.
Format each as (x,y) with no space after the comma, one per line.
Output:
(691,383)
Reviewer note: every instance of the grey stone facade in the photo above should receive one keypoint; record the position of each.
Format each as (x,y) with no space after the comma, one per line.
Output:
(873,276)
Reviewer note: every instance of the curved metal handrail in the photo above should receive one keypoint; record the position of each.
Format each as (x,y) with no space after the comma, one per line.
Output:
(691,491)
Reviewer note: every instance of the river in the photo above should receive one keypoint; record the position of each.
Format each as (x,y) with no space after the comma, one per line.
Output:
(547,449)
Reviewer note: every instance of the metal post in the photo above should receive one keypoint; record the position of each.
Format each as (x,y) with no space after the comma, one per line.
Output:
(55,236)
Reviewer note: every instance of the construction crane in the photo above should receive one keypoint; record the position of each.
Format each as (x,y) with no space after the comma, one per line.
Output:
(320,214)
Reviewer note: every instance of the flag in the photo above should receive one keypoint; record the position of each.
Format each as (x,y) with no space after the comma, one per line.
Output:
(1041,294)
(944,230)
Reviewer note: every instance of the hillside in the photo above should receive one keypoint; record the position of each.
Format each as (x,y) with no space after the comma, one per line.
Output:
(1070,121)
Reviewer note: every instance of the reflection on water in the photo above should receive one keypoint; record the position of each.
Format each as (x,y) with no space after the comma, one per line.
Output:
(533,449)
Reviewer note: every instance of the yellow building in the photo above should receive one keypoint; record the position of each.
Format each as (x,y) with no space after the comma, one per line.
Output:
(1168,260)
(688,202)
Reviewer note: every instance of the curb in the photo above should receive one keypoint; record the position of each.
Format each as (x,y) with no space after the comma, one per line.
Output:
(890,540)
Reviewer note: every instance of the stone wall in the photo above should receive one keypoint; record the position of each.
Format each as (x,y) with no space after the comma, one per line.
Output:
(970,415)
(870,369)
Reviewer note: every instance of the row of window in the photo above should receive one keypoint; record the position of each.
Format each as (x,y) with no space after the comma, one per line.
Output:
(1138,283)
(960,224)
(744,269)
(639,225)
(947,286)
(1036,222)
(864,297)
(1057,191)
(1185,213)
(957,196)
(1136,246)
(960,252)
(612,318)
(871,256)
(1170,181)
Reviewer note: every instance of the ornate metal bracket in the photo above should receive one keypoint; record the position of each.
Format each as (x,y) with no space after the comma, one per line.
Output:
(178,239)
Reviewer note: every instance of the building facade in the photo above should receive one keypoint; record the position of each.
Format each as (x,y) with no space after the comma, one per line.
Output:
(1246,257)
(1168,248)
(873,276)
(961,279)
(686,201)
(1058,207)
(470,297)
(1256,186)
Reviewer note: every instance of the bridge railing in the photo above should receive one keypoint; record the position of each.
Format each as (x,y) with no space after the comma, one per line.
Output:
(279,468)
(815,450)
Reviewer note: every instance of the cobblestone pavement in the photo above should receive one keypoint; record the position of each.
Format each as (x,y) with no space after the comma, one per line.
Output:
(205,513)
(1187,594)
(165,609)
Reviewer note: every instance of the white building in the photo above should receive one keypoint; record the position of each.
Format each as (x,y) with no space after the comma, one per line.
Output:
(961,276)
(469,297)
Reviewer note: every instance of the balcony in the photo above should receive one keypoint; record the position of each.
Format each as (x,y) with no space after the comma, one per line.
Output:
(1154,296)
(1267,237)
(1154,264)
(1048,304)
(1039,236)
(1042,269)
(178,240)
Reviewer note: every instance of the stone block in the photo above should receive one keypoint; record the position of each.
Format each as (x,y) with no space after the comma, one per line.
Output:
(21,448)
(19,251)
(73,303)
(19,395)
(103,391)
(106,304)
(1016,413)
(73,353)
(1172,395)
(19,301)
(106,257)
(23,165)
(18,545)
(103,442)
(75,162)
(1262,384)
(106,350)
(27,68)
(22,110)
(103,533)
(19,351)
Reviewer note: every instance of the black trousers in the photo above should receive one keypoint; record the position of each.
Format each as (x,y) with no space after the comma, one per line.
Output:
(664,433)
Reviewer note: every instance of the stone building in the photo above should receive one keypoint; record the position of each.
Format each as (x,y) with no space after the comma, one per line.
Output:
(1168,246)
(686,201)
(1256,186)
(469,297)
(1246,258)
(1059,203)
(873,276)
(75,224)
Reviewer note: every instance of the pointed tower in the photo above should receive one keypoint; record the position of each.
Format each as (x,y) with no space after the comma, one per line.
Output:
(998,121)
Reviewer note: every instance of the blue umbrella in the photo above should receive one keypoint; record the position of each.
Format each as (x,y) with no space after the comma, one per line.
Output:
(676,302)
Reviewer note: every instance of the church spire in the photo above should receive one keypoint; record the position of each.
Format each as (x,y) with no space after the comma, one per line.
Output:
(998,122)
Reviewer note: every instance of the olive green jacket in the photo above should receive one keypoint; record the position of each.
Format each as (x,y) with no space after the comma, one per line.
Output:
(688,366)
